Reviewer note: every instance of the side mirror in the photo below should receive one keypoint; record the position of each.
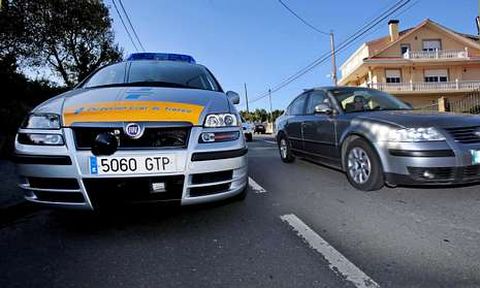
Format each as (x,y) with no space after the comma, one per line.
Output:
(234,97)
(323,109)
(409,105)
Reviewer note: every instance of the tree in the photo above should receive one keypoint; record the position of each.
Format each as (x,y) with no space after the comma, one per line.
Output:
(261,115)
(72,38)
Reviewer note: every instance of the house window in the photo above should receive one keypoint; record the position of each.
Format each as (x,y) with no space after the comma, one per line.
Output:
(404,48)
(437,75)
(393,76)
(432,45)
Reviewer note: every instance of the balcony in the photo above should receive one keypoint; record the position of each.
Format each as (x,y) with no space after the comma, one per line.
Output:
(452,86)
(437,54)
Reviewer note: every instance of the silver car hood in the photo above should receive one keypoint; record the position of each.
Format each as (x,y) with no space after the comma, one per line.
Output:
(414,118)
(127,104)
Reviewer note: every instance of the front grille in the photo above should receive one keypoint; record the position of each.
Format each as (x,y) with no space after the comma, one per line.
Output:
(209,190)
(465,135)
(53,183)
(108,191)
(67,197)
(153,137)
(212,177)
(446,174)
(441,174)
(471,172)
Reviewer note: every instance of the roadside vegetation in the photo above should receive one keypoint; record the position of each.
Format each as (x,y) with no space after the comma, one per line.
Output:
(261,115)
(47,47)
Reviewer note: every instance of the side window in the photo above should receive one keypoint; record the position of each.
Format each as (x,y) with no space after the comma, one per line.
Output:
(393,76)
(317,97)
(298,106)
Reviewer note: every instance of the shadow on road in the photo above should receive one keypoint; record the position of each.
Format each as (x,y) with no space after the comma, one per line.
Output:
(125,216)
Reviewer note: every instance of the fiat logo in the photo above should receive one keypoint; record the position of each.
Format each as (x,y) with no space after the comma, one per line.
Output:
(133,130)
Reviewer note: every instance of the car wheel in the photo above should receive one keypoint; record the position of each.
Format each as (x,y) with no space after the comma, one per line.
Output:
(285,150)
(249,137)
(363,167)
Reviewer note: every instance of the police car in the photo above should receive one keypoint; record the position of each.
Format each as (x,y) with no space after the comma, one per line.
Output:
(156,127)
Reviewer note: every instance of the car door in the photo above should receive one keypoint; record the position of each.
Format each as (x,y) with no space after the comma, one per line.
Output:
(296,112)
(318,129)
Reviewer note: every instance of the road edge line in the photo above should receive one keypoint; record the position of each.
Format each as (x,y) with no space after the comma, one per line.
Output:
(255,186)
(336,261)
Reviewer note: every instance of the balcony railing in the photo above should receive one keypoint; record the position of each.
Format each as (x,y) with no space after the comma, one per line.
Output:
(428,86)
(437,54)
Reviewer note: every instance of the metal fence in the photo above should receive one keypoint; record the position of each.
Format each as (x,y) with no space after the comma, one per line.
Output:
(470,103)
(431,108)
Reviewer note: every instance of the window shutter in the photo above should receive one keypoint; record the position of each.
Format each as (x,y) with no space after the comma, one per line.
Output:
(436,73)
(392,73)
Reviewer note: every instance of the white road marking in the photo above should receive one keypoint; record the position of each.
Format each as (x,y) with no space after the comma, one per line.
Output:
(255,186)
(261,148)
(270,142)
(337,262)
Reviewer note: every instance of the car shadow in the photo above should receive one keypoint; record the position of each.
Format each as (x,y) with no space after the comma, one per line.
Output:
(424,187)
(127,216)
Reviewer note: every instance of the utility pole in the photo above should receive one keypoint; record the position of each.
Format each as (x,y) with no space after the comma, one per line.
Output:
(246,96)
(477,19)
(270,100)
(334,64)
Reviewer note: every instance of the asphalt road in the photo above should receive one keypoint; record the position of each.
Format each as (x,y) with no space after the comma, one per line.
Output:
(398,237)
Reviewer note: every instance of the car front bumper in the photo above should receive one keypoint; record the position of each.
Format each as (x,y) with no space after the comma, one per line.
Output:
(434,163)
(60,176)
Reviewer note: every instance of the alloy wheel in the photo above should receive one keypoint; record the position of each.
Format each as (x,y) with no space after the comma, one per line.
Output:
(359,165)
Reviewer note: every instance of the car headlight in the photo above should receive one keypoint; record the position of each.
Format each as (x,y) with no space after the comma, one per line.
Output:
(210,137)
(42,121)
(221,120)
(415,135)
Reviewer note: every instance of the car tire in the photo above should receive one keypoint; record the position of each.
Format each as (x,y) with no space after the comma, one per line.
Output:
(285,150)
(363,166)
(249,137)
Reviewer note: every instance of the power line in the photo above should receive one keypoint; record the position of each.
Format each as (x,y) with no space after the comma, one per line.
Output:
(332,40)
(343,45)
(303,20)
(124,26)
(130,24)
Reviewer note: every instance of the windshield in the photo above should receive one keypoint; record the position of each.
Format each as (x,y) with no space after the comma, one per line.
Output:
(363,99)
(154,73)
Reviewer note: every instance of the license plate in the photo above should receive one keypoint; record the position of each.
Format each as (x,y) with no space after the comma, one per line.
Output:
(475,156)
(132,165)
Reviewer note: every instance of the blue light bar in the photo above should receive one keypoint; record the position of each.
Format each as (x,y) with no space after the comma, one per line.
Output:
(161,57)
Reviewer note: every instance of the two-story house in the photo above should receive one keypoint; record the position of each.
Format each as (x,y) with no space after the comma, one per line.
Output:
(419,65)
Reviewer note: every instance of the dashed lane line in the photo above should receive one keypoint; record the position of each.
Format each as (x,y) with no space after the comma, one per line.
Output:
(255,186)
(337,262)
(270,142)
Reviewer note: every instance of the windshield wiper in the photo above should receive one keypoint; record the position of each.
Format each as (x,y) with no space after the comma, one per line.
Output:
(144,83)
(393,109)
(157,84)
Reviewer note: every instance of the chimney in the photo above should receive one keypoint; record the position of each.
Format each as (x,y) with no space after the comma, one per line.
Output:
(393,29)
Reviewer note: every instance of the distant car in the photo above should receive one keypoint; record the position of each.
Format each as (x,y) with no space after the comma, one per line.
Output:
(248,130)
(376,138)
(156,127)
(260,128)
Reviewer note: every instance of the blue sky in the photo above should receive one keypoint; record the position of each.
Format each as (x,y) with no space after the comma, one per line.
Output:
(259,42)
